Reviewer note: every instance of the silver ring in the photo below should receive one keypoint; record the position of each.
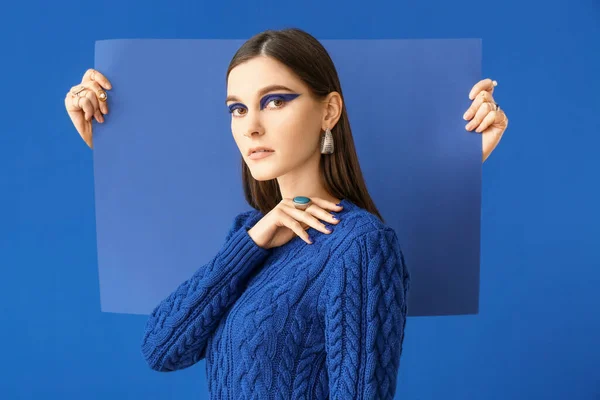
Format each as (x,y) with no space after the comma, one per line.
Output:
(301,202)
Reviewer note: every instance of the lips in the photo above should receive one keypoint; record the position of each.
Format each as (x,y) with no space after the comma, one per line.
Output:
(259,149)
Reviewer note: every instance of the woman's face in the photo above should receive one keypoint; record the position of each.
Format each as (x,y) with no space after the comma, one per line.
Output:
(287,121)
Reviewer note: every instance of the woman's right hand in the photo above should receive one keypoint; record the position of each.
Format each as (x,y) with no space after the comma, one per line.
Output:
(284,222)
(87,101)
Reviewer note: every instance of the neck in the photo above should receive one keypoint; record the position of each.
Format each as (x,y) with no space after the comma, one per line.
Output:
(305,181)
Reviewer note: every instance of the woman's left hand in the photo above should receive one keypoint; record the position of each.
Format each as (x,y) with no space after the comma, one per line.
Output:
(485,116)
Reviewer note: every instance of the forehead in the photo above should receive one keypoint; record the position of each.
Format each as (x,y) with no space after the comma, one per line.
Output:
(249,77)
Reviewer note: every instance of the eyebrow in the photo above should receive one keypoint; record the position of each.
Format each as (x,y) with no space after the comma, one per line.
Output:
(261,92)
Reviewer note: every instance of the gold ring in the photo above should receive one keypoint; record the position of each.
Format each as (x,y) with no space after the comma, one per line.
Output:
(102,96)
(77,90)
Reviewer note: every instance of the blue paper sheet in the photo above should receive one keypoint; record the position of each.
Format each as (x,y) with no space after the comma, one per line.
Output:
(167,170)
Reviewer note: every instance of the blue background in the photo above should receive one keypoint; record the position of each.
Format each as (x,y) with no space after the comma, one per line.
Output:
(167,171)
(536,336)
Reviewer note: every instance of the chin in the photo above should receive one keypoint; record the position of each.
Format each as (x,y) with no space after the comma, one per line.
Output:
(262,175)
(265,172)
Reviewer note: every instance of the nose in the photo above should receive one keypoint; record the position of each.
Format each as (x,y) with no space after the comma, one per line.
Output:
(252,133)
(254,129)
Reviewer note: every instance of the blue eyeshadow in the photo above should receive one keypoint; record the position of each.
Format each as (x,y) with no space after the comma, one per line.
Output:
(285,96)
(265,100)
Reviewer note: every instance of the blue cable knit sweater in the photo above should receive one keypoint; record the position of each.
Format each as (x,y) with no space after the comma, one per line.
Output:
(299,321)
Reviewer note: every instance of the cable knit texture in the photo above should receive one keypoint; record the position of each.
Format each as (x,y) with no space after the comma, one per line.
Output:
(300,321)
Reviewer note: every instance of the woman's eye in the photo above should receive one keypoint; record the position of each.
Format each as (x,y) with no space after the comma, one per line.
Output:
(278,102)
(236,109)
(281,100)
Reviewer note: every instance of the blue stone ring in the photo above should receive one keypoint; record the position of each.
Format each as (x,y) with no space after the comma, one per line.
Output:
(301,202)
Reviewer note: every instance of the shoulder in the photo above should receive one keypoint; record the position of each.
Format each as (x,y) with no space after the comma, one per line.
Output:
(367,243)
(359,227)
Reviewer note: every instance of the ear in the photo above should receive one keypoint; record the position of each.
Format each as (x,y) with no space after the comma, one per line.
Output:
(332,110)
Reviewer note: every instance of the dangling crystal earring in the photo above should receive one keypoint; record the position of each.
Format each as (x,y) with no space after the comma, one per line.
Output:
(327,142)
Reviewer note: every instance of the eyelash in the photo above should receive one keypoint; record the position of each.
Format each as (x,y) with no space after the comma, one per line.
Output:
(269,99)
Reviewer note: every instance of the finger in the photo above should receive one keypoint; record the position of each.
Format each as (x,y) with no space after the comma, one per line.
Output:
(98,91)
(88,103)
(71,102)
(480,99)
(78,90)
(87,107)
(484,84)
(95,75)
(321,214)
(482,112)
(307,218)
(74,103)
(294,225)
(93,99)
(319,202)
(98,116)
(317,208)
(487,121)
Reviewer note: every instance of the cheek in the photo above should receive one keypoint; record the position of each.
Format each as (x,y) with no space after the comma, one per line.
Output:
(236,132)
(296,129)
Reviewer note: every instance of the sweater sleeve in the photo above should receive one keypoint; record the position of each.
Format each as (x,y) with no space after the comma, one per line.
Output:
(365,316)
(178,328)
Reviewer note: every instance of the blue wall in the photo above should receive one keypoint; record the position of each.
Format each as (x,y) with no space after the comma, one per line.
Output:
(536,336)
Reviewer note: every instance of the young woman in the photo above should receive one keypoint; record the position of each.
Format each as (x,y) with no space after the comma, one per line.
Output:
(307,297)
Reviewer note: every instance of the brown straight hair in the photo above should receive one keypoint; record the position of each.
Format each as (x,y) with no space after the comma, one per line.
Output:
(308,59)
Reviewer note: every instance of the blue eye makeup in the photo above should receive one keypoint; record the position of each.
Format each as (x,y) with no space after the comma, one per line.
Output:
(286,97)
